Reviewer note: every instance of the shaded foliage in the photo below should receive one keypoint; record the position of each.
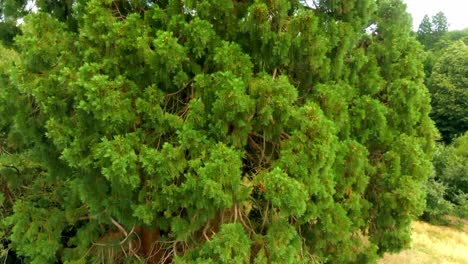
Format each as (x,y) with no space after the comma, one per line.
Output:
(449,89)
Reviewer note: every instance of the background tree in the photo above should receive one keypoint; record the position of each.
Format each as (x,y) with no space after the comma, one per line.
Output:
(214,132)
(444,197)
(431,30)
(455,35)
(425,33)
(10,12)
(431,34)
(449,88)
(439,24)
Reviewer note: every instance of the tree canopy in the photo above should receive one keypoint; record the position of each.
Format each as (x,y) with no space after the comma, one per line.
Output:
(213,132)
(431,30)
(449,87)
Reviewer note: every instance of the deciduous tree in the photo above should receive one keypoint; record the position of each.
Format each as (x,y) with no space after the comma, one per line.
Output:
(449,89)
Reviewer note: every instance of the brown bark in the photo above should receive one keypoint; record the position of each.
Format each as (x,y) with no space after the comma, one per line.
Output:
(150,247)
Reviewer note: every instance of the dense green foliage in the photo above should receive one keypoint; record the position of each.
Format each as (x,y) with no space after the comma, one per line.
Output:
(449,88)
(12,10)
(446,67)
(448,189)
(430,33)
(431,30)
(213,132)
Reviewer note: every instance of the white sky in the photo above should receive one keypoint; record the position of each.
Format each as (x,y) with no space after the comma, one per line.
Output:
(456,11)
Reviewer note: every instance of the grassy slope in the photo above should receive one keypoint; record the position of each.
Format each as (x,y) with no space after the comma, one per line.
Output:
(433,245)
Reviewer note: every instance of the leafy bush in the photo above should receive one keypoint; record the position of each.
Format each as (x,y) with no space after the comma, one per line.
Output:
(437,207)
(447,190)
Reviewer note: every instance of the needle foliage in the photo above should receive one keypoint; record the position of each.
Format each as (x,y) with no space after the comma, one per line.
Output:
(212,131)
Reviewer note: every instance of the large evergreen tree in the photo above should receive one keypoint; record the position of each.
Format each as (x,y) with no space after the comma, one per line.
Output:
(213,132)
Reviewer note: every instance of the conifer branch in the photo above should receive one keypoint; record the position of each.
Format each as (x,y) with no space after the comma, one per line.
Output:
(119,226)
(13,167)
(181,89)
